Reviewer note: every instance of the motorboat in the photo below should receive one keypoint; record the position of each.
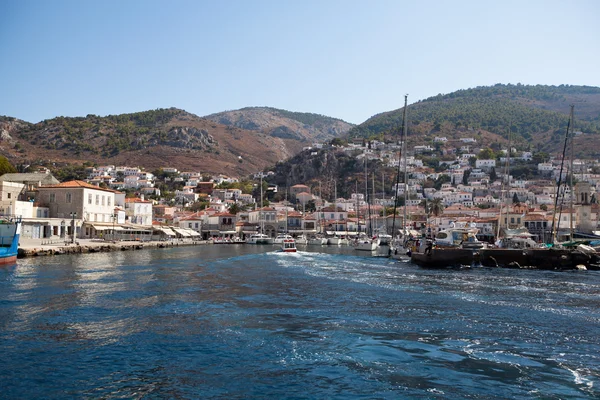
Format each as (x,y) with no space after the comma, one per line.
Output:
(463,237)
(259,238)
(281,237)
(288,246)
(301,240)
(317,241)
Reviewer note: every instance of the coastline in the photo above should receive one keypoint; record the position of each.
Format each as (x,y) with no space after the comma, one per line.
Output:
(45,247)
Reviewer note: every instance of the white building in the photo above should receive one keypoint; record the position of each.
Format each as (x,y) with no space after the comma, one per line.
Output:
(138,211)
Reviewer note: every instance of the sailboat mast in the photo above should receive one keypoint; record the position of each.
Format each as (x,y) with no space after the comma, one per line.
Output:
(559,183)
(398,171)
(368,216)
(404,134)
(572,171)
(506,176)
(262,224)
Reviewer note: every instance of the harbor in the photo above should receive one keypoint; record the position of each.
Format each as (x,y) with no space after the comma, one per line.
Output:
(323,323)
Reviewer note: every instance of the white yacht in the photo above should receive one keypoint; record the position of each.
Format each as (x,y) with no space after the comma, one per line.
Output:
(365,243)
(301,240)
(259,238)
(281,237)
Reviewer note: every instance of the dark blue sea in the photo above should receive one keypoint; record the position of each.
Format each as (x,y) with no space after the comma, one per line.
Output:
(245,322)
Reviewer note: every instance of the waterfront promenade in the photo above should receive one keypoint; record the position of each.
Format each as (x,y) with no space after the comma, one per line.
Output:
(46,247)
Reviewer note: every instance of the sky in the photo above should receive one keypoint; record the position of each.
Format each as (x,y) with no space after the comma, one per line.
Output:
(341,58)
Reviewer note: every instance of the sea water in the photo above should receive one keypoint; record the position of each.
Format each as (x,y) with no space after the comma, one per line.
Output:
(240,322)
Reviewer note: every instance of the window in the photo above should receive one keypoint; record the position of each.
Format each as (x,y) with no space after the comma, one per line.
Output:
(196,225)
(108,201)
(103,198)
(69,197)
(97,199)
(512,220)
(90,198)
(9,195)
(52,198)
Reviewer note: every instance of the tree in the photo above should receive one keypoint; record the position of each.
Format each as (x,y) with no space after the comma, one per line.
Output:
(236,208)
(6,167)
(544,207)
(466,174)
(441,180)
(486,154)
(493,175)
(540,157)
(515,199)
(436,206)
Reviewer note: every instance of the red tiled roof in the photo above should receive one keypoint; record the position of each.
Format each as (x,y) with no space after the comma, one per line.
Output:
(77,184)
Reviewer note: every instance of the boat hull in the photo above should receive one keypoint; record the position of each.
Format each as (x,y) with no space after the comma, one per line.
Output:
(506,258)
(9,240)
(366,245)
(443,258)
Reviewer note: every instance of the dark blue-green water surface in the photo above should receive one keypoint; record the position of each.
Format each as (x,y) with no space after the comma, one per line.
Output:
(246,322)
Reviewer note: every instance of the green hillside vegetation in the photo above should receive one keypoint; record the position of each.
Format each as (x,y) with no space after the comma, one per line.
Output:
(106,136)
(523,109)
(6,167)
(304,118)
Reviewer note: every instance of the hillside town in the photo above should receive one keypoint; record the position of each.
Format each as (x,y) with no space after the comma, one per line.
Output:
(467,186)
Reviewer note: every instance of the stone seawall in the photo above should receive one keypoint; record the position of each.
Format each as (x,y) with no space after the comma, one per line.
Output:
(32,249)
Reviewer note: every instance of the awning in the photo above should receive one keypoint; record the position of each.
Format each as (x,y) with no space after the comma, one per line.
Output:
(166,231)
(192,232)
(181,232)
(101,228)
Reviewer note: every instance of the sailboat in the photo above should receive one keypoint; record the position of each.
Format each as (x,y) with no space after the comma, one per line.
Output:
(366,242)
(260,237)
(400,244)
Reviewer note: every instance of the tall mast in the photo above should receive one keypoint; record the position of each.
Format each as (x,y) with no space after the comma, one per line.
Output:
(262,224)
(558,184)
(572,171)
(502,190)
(383,200)
(368,217)
(398,172)
(405,134)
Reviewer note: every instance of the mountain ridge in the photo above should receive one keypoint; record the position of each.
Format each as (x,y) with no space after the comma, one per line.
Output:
(309,127)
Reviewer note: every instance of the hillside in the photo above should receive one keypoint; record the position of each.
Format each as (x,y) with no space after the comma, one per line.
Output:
(305,127)
(150,139)
(536,116)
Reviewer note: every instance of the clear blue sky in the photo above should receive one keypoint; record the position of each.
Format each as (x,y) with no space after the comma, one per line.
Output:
(342,58)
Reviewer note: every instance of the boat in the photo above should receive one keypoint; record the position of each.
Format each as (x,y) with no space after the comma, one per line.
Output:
(399,246)
(10,231)
(288,246)
(317,241)
(259,238)
(444,257)
(281,237)
(464,236)
(385,239)
(301,240)
(228,240)
(338,239)
(364,243)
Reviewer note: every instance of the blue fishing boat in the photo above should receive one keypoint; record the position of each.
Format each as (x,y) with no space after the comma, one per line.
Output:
(10,230)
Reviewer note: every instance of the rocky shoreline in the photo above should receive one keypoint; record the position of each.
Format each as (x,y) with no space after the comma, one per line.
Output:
(36,248)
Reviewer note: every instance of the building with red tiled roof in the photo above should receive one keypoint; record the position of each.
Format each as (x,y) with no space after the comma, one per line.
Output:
(79,202)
